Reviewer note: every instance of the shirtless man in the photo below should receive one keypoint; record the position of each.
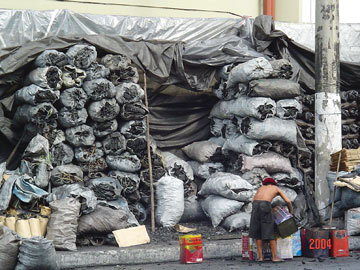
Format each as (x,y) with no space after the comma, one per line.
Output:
(262,224)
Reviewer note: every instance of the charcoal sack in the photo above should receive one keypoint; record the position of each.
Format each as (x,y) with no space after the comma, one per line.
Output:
(63,223)
(34,95)
(274,88)
(36,253)
(170,201)
(103,110)
(217,208)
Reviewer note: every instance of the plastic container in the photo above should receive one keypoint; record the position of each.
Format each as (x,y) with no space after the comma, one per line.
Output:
(296,243)
(339,243)
(247,247)
(191,248)
(287,228)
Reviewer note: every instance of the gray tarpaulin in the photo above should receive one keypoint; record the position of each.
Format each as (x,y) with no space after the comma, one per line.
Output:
(17,27)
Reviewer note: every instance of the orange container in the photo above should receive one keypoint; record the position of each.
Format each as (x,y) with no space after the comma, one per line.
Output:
(339,243)
(191,248)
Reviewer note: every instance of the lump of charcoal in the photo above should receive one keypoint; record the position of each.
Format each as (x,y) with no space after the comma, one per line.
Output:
(80,136)
(72,76)
(114,144)
(51,58)
(134,128)
(157,173)
(98,165)
(354,128)
(124,162)
(103,110)
(137,146)
(234,162)
(99,89)
(120,75)
(102,129)
(157,159)
(105,188)
(82,55)
(73,98)
(114,62)
(345,129)
(89,153)
(96,71)
(129,181)
(133,111)
(66,174)
(282,68)
(47,77)
(72,117)
(129,92)
(61,154)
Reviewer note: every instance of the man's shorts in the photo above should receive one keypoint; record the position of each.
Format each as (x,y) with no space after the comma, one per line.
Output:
(262,224)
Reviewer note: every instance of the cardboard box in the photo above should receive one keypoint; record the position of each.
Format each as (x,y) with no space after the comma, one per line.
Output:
(132,236)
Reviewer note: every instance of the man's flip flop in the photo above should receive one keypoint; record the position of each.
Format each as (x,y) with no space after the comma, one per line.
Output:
(278,261)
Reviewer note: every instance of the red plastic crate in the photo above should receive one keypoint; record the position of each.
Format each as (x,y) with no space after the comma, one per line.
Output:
(339,243)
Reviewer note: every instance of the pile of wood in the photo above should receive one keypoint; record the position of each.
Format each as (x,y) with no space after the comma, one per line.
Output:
(349,158)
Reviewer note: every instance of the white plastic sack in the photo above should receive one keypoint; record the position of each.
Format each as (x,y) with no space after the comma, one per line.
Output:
(171,160)
(217,208)
(288,108)
(257,107)
(228,185)
(170,201)
(352,221)
(242,144)
(46,77)
(129,92)
(238,221)
(218,140)
(124,162)
(291,194)
(270,161)
(272,128)
(200,151)
(34,95)
(255,176)
(82,55)
(257,68)
(204,170)
(72,76)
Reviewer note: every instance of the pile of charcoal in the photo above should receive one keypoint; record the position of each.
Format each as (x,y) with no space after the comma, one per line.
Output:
(90,110)
(255,136)
(350,125)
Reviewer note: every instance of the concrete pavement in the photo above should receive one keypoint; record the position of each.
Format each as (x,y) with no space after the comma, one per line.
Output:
(153,253)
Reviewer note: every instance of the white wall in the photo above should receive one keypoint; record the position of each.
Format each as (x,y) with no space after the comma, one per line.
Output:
(241,7)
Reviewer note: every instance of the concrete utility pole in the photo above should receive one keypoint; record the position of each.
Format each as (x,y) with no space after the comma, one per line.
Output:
(327,98)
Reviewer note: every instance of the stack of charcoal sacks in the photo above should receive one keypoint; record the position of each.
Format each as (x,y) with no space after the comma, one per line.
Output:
(306,124)
(254,123)
(92,113)
(350,125)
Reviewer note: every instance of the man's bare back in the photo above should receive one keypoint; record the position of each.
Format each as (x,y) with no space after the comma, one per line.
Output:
(269,192)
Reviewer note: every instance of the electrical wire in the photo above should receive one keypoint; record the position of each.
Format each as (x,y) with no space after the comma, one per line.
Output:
(158,7)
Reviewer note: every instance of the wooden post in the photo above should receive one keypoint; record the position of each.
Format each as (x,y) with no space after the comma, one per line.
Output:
(152,201)
(333,195)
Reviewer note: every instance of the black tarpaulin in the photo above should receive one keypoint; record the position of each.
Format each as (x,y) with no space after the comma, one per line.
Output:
(276,44)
